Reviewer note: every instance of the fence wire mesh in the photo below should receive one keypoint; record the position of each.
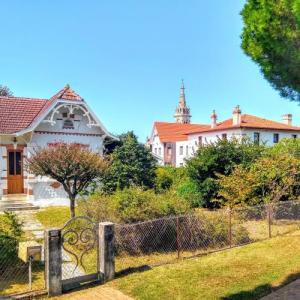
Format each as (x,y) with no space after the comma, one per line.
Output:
(15,269)
(165,240)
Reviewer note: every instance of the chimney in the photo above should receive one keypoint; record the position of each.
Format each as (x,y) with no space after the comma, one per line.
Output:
(287,119)
(236,116)
(213,119)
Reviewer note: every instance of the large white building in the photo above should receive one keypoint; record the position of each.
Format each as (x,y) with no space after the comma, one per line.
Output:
(173,143)
(29,123)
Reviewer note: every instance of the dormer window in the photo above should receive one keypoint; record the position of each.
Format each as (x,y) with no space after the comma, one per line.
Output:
(68,124)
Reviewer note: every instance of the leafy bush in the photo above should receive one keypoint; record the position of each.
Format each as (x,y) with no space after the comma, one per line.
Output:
(270,179)
(219,158)
(188,190)
(96,207)
(132,164)
(132,205)
(10,234)
(168,177)
(201,231)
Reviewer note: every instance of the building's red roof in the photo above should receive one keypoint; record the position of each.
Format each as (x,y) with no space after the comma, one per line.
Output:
(249,121)
(173,132)
(18,113)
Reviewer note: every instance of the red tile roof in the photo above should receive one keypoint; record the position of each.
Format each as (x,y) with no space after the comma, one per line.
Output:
(249,121)
(18,113)
(172,132)
(68,94)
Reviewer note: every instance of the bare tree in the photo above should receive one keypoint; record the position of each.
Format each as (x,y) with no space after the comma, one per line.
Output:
(5,91)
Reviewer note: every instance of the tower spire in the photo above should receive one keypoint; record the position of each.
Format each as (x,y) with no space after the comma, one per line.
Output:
(182,94)
(182,112)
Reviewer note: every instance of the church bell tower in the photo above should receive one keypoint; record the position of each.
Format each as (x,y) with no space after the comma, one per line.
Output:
(182,112)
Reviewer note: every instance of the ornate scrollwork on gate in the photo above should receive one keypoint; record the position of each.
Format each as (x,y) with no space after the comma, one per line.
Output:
(79,238)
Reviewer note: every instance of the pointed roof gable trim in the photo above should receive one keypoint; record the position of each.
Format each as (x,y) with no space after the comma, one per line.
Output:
(29,112)
(68,94)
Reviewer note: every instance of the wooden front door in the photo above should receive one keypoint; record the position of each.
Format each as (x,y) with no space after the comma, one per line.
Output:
(15,173)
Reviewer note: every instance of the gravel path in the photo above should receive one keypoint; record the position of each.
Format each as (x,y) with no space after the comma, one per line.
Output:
(95,293)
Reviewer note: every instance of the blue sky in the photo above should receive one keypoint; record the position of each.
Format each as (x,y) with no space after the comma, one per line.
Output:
(127,58)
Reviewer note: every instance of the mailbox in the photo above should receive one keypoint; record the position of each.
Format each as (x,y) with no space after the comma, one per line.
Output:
(30,249)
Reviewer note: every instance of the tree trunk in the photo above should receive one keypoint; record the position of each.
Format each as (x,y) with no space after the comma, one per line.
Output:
(72,207)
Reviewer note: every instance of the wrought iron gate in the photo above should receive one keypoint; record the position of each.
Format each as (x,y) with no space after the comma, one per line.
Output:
(80,252)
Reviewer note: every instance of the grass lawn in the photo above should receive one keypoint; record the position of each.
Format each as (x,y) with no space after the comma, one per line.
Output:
(54,216)
(248,272)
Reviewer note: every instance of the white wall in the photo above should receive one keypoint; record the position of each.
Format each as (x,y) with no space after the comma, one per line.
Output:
(267,135)
(157,146)
(45,133)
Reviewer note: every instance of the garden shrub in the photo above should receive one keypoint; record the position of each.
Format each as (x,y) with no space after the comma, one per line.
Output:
(10,234)
(191,232)
(132,205)
(96,207)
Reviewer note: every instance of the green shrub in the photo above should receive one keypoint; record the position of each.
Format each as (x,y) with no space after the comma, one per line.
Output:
(190,232)
(132,205)
(10,234)
(188,190)
(96,207)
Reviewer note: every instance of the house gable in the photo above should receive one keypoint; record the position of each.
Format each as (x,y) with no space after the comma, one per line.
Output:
(19,116)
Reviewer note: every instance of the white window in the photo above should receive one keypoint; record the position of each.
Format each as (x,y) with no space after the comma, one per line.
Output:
(155,150)
(256,137)
(181,164)
(159,151)
(187,150)
(181,150)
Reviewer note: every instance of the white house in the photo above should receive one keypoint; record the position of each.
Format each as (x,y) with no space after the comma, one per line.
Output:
(173,143)
(30,123)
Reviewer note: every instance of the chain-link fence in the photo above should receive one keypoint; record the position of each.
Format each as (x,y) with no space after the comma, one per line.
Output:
(147,244)
(164,240)
(18,274)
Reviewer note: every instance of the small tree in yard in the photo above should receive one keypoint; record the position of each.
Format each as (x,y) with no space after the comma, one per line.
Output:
(132,165)
(270,179)
(72,165)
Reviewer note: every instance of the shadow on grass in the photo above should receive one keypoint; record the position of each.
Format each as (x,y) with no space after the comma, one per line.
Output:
(14,278)
(128,271)
(261,290)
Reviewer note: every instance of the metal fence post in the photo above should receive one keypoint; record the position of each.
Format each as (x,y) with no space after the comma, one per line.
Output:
(53,261)
(230,227)
(269,220)
(107,251)
(178,237)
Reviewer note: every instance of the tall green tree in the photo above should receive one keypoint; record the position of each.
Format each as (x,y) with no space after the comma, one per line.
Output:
(271,37)
(132,164)
(219,158)
(5,91)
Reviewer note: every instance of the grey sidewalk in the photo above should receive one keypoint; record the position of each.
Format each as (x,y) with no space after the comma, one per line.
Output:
(289,292)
